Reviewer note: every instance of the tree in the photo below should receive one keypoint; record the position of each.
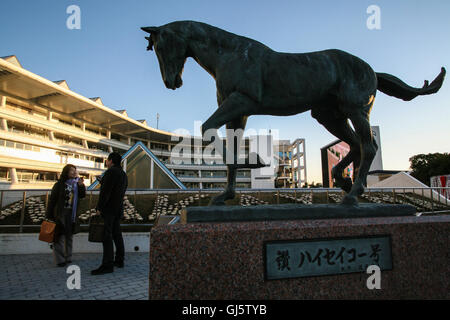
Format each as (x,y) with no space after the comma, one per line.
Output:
(425,166)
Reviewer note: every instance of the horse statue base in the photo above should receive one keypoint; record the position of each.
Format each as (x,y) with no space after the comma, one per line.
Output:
(293,212)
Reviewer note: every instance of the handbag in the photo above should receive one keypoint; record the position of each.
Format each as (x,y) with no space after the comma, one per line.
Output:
(96,229)
(47,232)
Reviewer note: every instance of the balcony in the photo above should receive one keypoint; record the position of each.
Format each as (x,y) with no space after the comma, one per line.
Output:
(58,127)
(211,179)
(196,166)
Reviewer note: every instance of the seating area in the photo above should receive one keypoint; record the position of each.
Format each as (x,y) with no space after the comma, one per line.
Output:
(305,198)
(249,200)
(144,208)
(421,203)
(164,207)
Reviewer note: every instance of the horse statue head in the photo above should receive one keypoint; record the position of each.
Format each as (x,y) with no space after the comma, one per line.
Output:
(171,50)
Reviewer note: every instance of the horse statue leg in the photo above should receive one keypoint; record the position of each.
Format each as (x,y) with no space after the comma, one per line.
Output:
(234,141)
(231,112)
(338,125)
(337,173)
(369,148)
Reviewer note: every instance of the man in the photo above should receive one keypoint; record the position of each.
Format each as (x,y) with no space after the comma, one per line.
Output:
(110,206)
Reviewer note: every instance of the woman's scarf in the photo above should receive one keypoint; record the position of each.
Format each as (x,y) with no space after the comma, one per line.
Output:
(74,184)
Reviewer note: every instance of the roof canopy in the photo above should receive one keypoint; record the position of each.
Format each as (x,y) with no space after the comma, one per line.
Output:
(18,83)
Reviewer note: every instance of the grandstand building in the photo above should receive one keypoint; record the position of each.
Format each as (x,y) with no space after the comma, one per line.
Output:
(44,125)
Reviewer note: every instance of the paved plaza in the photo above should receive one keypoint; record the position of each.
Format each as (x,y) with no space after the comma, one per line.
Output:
(35,277)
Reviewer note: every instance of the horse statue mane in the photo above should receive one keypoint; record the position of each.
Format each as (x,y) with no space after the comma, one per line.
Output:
(253,79)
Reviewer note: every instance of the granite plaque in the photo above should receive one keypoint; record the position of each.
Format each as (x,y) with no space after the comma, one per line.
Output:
(318,257)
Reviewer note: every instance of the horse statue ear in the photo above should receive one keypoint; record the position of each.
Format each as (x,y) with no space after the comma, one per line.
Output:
(152,31)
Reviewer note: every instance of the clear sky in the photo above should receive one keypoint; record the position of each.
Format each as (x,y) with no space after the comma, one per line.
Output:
(107,58)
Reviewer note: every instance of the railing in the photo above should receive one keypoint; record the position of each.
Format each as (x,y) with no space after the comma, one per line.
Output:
(143,205)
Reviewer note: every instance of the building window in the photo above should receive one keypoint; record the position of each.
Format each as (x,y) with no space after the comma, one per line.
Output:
(243,185)
(18,145)
(214,174)
(192,185)
(159,146)
(4,173)
(186,173)
(244,173)
(213,185)
(29,176)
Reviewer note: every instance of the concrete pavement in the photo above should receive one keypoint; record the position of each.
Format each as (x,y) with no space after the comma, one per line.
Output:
(35,277)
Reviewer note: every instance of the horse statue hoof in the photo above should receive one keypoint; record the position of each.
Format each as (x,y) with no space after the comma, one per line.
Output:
(349,201)
(345,184)
(216,203)
(220,199)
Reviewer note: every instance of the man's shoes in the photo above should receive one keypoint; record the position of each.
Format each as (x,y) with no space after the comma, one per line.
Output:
(102,270)
(62,264)
(118,264)
(69,261)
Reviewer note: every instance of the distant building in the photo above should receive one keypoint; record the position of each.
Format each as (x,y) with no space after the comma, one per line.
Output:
(334,152)
(291,171)
(442,181)
(376,176)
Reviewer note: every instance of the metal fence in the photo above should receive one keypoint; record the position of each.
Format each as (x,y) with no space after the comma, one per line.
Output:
(426,200)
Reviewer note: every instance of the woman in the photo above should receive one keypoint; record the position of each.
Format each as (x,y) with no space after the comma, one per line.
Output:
(62,208)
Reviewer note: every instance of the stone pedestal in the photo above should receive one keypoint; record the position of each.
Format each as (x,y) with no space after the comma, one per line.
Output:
(227,260)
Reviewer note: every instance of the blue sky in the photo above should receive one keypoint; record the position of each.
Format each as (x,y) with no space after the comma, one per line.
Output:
(107,58)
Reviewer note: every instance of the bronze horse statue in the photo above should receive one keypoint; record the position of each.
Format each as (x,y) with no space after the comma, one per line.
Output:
(253,79)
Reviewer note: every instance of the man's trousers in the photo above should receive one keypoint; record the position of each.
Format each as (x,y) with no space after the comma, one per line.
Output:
(112,233)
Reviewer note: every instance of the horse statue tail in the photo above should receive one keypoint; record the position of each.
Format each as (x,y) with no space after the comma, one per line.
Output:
(395,87)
